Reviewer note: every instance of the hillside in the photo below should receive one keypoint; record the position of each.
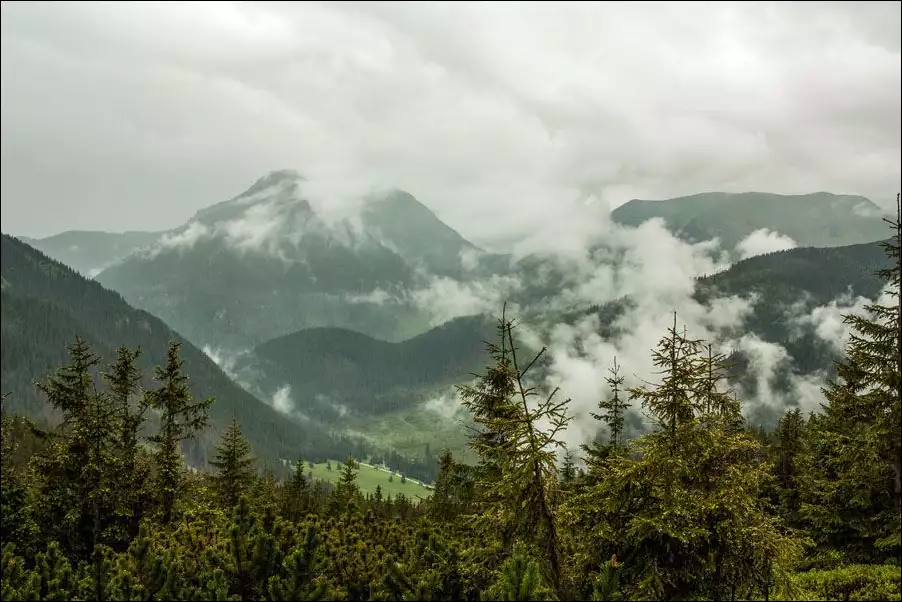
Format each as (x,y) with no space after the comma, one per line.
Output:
(819,220)
(270,262)
(44,305)
(89,252)
(333,371)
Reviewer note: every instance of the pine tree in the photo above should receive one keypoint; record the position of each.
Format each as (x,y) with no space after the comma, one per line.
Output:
(684,505)
(613,413)
(851,483)
(615,407)
(296,496)
(568,472)
(517,452)
(180,419)
(790,432)
(672,403)
(234,465)
(81,464)
(346,496)
(124,381)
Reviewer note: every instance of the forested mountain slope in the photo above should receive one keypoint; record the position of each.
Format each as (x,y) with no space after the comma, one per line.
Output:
(332,370)
(89,251)
(820,219)
(45,304)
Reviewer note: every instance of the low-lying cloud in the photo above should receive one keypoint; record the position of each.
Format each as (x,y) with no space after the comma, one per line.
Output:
(763,241)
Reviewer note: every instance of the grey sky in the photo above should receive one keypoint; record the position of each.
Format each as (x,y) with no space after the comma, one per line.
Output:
(133,116)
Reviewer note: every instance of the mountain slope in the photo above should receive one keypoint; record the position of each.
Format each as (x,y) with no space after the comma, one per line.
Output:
(89,252)
(333,371)
(820,219)
(269,262)
(44,305)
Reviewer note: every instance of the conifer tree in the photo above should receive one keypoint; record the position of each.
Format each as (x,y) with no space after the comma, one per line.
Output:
(296,496)
(519,453)
(234,465)
(672,403)
(615,407)
(181,418)
(613,413)
(346,495)
(568,471)
(851,482)
(124,381)
(684,506)
(790,433)
(81,463)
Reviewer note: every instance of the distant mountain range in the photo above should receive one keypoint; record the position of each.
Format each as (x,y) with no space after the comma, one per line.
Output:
(268,262)
(89,252)
(311,304)
(45,304)
(811,220)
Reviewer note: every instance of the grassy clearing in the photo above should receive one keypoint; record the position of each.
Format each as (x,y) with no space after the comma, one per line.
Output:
(368,477)
(409,431)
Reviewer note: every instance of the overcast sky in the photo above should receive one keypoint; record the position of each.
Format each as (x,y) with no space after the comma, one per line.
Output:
(133,116)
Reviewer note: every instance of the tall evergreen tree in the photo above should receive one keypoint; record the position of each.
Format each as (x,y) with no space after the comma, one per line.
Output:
(683,508)
(181,418)
(234,465)
(790,432)
(124,381)
(296,495)
(83,462)
(613,411)
(519,452)
(672,403)
(851,487)
(613,408)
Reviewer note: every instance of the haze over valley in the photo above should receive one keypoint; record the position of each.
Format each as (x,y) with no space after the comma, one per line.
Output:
(451,301)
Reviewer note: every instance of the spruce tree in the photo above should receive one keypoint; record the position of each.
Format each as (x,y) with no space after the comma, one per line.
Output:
(180,419)
(851,482)
(80,465)
(613,411)
(790,432)
(124,381)
(615,407)
(234,465)
(296,495)
(518,452)
(672,403)
(683,507)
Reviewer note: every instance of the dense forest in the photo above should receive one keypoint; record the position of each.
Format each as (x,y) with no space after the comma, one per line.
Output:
(702,507)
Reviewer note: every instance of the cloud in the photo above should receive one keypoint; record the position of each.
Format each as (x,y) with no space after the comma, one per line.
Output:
(446,298)
(764,241)
(446,405)
(281,400)
(504,119)
(827,321)
(183,238)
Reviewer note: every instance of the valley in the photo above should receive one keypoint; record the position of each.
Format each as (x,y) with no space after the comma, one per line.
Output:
(356,323)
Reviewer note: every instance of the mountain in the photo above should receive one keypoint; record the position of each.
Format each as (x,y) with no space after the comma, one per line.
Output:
(89,252)
(333,371)
(45,304)
(271,261)
(817,220)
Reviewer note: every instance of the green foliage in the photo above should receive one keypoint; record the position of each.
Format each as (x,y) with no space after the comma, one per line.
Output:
(180,419)
(853,582)
(234,466)
(44,304)
(700,508)
(516,478)
(852,496)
